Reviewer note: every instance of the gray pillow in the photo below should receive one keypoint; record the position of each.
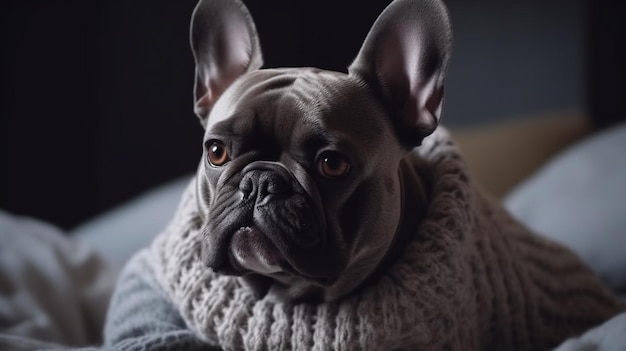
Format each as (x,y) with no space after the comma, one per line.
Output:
(579,199)
(118,233)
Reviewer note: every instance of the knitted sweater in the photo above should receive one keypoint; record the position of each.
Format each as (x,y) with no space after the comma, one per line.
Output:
(471,278)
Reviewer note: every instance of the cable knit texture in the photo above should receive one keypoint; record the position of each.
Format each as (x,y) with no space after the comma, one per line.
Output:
(471,278)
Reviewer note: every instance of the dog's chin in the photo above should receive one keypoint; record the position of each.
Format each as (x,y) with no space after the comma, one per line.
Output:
(251,251)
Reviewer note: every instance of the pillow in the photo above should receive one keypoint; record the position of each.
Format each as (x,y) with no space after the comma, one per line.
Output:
(579,199)
(118,233)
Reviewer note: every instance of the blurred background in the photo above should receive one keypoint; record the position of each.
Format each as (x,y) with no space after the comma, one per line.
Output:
(96,103)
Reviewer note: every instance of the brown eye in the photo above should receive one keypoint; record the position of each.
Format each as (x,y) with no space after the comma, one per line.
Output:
(217,154)
(333,165)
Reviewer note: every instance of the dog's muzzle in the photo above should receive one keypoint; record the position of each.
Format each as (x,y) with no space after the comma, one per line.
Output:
(273,225)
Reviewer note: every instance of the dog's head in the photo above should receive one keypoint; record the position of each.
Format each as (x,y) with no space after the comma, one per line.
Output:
(300,187)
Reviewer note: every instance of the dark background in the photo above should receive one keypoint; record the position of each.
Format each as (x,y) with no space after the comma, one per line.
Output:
(96,102)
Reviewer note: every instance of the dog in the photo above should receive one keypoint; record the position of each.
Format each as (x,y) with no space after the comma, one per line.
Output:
(306,174)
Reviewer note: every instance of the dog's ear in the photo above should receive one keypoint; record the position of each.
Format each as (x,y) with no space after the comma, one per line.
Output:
(404,59)
(225,46)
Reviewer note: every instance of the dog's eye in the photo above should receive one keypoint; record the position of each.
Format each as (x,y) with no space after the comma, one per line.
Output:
(333,165)
(217,154)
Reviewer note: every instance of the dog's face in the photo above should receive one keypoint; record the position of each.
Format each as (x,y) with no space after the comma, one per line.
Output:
(300,187)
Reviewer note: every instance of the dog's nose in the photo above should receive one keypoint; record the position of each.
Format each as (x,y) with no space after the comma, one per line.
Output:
(263,183)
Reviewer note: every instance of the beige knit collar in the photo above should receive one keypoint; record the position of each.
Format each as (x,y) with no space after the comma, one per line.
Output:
(412,306)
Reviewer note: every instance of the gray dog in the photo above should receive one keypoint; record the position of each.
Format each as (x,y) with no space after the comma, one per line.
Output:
(306,171)
(329,213)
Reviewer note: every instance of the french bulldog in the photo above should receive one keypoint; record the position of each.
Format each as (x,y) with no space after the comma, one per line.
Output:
(307,182)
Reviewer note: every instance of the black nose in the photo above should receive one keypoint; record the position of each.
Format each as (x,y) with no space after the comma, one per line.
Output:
(262,183)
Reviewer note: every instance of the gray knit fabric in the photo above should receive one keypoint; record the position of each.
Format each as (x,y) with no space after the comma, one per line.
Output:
(140,318)
(472,278)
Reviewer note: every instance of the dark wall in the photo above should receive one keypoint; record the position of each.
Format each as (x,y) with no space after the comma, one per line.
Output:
(606,92)
(97,95)
(96,102)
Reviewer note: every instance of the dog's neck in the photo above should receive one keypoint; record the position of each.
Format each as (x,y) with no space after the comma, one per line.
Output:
(416,181)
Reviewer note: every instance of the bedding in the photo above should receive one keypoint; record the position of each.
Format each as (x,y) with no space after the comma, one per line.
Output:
(117,234)
(579,199)
(52,289)
(610,336)
(36,257)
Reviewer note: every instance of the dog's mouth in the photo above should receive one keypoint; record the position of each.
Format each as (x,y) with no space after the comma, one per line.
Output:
(251,250)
